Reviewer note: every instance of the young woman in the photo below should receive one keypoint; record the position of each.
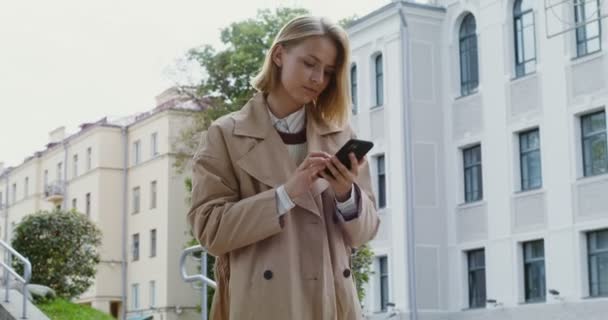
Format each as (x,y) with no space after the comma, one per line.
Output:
(281,227)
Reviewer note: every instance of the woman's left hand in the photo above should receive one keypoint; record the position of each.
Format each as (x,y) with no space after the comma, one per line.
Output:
(343,179)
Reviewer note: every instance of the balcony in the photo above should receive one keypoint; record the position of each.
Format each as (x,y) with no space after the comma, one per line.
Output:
(54,192)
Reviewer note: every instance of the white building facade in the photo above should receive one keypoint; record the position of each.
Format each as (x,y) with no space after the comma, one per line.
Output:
(121,175)
(490,160)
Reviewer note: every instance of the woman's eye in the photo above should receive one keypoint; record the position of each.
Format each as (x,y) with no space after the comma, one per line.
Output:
(309,64)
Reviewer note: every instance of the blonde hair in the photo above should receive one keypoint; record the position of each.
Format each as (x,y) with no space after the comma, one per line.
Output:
(333,104)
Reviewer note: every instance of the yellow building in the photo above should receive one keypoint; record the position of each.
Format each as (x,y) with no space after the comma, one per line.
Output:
(120,174)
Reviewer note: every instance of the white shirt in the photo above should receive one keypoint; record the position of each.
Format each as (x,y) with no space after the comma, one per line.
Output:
(295,123)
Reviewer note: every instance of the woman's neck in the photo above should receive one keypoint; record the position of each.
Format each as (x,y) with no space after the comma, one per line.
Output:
(281,104)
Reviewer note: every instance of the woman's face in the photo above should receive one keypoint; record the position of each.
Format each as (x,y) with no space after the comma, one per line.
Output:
(307,67)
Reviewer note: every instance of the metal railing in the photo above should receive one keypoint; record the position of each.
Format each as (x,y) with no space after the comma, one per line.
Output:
(197,277)
(9,252)
(55,188)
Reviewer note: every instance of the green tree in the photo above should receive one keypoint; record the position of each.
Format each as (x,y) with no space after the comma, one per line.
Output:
(62,248)
(230,71)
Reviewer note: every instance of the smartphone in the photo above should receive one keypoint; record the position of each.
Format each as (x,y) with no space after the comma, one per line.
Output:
(359,147)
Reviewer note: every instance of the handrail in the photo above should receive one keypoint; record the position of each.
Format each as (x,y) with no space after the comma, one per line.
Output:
(197,277)
(25,279)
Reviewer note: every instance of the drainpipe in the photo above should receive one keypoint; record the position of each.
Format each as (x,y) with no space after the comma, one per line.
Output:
(408,164)
(65,176)
(125,164)
(6,206)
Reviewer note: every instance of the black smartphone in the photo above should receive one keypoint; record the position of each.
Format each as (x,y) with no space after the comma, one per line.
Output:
(359,147)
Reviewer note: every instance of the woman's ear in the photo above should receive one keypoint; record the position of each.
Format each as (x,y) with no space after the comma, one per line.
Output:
(277,55)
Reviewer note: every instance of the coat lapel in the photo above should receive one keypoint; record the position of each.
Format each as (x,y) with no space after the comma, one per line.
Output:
(268,161)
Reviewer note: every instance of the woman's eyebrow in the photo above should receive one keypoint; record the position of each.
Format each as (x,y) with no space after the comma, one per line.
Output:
(319,60)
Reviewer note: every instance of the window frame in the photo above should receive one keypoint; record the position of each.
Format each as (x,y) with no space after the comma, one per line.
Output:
(153,194)
(519,36)
(588,170)
(468,51)
(381,181)
(136,200)
(379,80)
(154,144)
(469,196)
(153,242)
(383,274)
(595,252)
(354,88)
(526,183)
(529,262)
(135,250)
(471,272)
(580,33)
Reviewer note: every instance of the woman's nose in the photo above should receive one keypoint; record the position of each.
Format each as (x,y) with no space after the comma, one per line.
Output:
(317,76)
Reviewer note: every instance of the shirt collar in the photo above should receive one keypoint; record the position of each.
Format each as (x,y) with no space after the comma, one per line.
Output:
(292,123)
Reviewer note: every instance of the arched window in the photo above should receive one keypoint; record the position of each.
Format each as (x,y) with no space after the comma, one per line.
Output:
(469,68)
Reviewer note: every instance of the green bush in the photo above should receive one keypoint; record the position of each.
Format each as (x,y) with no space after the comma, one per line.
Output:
(62,248)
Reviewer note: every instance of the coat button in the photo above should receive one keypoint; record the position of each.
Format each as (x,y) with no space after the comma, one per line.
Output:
(346,273)
(267,274)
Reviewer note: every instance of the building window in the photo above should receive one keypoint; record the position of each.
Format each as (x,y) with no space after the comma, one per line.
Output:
(153,243)
(534,270)
(75,164)
(74,204)
(152,294)
(597,245)
(529,159)
(89,158)
(595,159)
(381,172)
(477,278)
(46,180)
(473,184)
(59,171)
(135,247)
(588,32)
(383,264)
(26,187)
(353,87)
(153,194)
(154,144)
(135,296)
(136,198)
(469,68)
(137,152)
(88,204)
(14,192)
(525,38)
(379,80)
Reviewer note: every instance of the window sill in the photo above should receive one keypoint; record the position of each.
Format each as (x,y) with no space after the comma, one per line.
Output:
(604,297)
(473,309)
(533,302)
(528,192)
(524,77)
(593,178)
(472,204)
(587,57)
(467,96)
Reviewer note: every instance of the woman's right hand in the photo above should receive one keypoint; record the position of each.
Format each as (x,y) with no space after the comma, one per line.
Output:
(306,174)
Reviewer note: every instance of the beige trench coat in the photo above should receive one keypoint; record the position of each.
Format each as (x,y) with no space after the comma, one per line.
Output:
(294,267)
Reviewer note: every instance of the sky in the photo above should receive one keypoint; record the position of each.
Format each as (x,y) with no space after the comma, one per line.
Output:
(65,62)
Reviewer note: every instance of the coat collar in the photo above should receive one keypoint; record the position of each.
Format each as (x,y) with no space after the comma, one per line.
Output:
(254,121)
